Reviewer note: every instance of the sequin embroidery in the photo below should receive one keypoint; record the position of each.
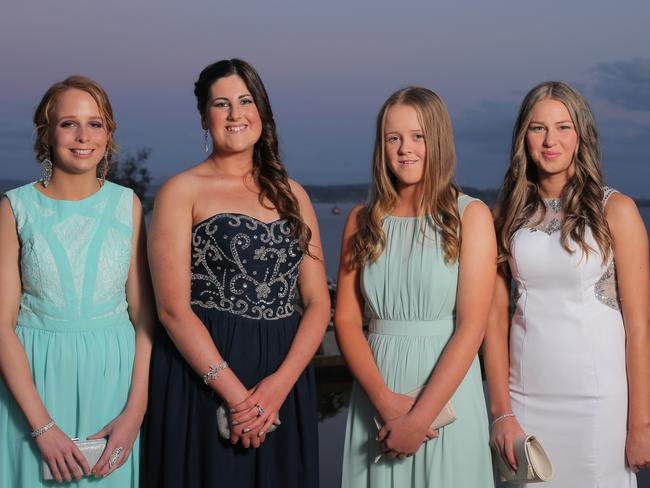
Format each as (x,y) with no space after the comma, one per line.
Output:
(245,266)
(605,288)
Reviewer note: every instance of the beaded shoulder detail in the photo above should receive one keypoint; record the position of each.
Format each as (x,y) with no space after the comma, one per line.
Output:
(245,266)
(551,222)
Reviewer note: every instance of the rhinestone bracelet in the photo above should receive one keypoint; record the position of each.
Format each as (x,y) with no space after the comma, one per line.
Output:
(501,417)
(44,429)
(213,372)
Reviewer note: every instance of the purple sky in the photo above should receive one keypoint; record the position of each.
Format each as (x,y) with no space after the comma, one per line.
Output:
(328,68)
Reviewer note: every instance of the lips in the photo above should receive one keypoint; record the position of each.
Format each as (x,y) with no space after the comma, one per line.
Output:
(407,162)
(81,152)
(550,154)
(234,129)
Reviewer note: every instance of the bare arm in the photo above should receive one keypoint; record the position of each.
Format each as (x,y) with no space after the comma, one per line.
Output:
(630,243)
(348,321)
(169,257)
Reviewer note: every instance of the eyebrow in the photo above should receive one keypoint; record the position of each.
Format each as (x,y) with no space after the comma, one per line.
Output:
(94,117)
(560,122)
(226,98)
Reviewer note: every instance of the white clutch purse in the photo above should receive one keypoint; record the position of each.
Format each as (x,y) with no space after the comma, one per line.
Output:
(446,416)
(92,450)
(533,463)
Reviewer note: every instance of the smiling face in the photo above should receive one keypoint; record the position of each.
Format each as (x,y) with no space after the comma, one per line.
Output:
(404,145)
(78,134)
(232,117)
(552,139)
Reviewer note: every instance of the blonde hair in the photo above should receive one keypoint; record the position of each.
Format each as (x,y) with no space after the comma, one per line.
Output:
(582,196)
(43,114)
(438,198)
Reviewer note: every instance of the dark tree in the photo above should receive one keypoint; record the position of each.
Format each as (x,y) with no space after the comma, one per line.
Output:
(131,171)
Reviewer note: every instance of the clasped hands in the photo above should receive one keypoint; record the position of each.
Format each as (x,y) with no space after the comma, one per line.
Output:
(403,432)
(251,419)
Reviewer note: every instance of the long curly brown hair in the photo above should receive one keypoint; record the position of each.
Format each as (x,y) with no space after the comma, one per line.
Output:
(438,198)
(268,171)
(582,195)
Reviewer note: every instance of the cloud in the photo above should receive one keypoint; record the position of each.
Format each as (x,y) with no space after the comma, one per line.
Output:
(625,83)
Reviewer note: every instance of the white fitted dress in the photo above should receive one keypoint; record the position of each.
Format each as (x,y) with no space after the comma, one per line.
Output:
(568,379)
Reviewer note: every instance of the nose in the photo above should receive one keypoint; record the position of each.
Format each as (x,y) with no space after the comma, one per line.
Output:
(549,138)
(404,147)
(82,133)
(233,113)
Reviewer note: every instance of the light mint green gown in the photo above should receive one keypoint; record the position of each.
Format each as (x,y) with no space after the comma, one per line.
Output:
(73,324)
(411,296)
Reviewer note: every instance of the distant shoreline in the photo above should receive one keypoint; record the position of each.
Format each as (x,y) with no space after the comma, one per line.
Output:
(335,194)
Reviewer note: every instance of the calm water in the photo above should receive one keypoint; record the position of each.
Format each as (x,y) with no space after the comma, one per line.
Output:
(333,396)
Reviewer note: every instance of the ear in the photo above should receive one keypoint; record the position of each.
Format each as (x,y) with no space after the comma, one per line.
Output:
(204,123)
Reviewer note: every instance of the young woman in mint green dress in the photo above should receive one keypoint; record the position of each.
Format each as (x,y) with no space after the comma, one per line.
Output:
(75,308)
(420,257)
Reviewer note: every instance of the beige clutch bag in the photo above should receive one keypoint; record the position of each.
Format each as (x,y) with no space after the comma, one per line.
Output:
(446,416)
(92,450)
(533,463)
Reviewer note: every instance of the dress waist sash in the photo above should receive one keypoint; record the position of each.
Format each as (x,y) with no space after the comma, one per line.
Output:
(412,327)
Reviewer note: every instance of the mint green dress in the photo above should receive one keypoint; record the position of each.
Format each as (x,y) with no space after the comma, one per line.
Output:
(73,324)
(411,296)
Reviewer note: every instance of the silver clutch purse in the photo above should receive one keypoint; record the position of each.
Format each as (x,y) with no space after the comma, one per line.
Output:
(92,450)
(533,463)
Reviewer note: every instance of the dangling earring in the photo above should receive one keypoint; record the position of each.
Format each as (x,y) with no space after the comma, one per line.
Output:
(46,168)
(102,169)
(206,146)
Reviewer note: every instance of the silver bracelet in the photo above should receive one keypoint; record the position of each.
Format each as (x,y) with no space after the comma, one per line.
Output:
(501,417)
(213,372)
(44,429)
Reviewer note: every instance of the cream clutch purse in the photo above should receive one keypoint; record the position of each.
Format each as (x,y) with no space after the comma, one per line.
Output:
(446,416)
(92,450)
(533,463)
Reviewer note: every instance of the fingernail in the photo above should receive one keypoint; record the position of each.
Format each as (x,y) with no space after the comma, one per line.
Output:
(246,430)
(234,422)
(260,433)
(231,410)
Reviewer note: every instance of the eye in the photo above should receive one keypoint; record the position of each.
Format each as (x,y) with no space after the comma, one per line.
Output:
(220,104)
(536,128)
(392,139)
(97,124)
(66,124)
(418,137)
(246,101)
(566,127)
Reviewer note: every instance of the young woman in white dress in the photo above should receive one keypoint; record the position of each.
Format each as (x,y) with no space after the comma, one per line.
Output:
(572,366)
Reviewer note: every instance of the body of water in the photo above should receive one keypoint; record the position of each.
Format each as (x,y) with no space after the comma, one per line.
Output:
(333,393)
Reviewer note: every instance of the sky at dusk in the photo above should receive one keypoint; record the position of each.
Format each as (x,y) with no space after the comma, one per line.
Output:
(328,67)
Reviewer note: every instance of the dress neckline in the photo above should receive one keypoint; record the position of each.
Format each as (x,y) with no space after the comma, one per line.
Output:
(64,201)
(238,215)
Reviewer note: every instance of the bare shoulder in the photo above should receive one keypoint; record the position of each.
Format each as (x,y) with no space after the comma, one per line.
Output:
(299,191)
(620,206)
(352,222)
(181,186)
(6,212)
(476,213)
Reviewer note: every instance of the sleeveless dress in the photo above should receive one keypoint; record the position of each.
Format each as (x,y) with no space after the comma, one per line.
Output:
(244,274)
(411,294)
(568,380)
(73,323)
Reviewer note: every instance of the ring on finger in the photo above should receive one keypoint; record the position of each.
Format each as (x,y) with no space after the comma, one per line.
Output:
(115,456)
(260,409)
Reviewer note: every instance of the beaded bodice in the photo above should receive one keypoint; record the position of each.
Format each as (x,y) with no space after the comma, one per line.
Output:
(245,266)
(548,221)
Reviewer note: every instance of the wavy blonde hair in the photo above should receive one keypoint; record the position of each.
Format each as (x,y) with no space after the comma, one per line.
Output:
(438,198)
(44,111)
(582,196)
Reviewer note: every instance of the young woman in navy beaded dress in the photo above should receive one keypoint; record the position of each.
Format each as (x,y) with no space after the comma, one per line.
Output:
(232,241)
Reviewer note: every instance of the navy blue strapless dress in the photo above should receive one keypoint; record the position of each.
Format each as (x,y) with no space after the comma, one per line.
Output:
(244,275)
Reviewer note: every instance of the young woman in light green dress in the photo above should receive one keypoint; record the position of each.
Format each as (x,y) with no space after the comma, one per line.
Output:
(420,257)
(76,308)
